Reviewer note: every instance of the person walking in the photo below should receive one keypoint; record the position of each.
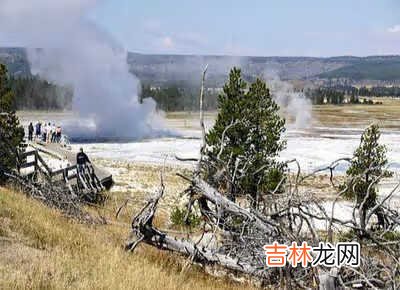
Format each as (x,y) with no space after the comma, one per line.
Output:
(38,130)
(30,131)
(49,132)
(82,160)
(44,135)
(58,134)
(53,133)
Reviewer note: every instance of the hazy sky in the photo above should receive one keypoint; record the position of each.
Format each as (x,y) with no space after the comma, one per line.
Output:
(252,27)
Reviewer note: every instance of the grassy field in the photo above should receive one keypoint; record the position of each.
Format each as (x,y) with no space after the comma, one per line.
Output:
(386,114)
(41,249)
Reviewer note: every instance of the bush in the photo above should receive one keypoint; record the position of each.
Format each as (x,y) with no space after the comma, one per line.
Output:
(178,218)
(11,133)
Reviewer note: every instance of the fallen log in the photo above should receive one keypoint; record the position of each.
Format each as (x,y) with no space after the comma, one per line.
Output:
(248,263)
(144,231)
(228,206)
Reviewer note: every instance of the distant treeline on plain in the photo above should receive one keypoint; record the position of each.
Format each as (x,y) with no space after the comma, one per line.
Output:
(33,93)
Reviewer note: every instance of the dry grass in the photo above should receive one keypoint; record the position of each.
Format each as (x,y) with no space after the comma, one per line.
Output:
(41,249)
(387,115)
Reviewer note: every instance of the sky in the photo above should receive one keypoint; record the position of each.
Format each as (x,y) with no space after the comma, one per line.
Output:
(252,27)
(255,27)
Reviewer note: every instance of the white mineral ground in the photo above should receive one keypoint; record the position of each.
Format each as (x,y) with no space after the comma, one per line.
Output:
(314,148)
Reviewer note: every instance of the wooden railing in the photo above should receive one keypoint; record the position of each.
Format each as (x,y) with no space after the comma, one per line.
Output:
(84,178)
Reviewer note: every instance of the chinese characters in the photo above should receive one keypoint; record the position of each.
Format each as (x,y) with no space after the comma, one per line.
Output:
(325,254)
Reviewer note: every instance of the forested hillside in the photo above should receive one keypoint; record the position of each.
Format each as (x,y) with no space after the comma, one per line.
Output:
(173,80)
(382,70)
(164,69)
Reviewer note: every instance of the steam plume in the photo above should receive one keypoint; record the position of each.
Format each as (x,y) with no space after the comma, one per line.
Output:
(74,51)
(294,104)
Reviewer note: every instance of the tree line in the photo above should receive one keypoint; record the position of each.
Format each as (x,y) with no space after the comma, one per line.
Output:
(183,97)
(178,97)
(33,93)
(379,91)
(337,96)
(325,96)
(375,91)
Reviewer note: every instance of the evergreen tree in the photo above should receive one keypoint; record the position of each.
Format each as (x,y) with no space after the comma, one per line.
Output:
(354,99)
(11,133)
(243,163)
(366,170)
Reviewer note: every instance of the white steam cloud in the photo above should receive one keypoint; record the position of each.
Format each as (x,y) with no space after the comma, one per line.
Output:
(295,104)
(74,51)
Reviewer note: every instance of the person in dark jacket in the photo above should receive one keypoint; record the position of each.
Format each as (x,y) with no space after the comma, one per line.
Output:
(38,130)
(81,160)
(58,134)
(30,131)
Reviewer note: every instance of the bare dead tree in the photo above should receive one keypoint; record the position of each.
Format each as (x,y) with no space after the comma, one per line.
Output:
(240,230)
(203,129)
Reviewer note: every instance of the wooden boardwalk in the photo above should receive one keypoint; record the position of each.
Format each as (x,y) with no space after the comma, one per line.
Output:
(90,179)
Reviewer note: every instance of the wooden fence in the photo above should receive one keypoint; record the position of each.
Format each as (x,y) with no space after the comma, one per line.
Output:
(82,178)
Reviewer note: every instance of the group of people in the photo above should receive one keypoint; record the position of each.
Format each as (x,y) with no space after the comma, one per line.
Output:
(46,132)
(50,133)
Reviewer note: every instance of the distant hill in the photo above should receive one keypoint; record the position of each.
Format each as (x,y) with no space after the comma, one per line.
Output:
(16,61)
(187,68)
(370,69)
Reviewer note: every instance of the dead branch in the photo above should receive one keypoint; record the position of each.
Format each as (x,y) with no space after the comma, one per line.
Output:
(239,229)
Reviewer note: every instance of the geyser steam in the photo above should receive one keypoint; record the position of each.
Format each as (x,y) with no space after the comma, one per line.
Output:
(294,104)
(74,51)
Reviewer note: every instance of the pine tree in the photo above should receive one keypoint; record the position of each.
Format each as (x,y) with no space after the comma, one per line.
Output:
(243,163)
(367,168)
(11,133)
